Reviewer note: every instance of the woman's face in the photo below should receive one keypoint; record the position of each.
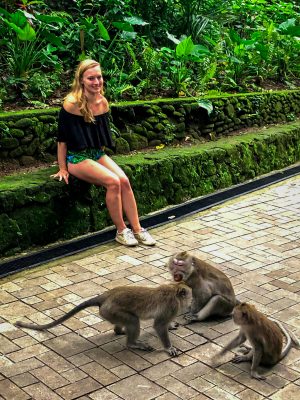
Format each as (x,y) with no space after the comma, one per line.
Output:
(92,80)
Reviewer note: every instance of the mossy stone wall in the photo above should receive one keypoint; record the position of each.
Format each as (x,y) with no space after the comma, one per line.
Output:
(26,136)
(35,210)
(29,135)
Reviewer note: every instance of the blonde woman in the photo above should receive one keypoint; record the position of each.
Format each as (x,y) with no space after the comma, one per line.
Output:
(83,133)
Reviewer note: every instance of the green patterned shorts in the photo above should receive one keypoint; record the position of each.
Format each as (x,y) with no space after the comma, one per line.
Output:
(75,157)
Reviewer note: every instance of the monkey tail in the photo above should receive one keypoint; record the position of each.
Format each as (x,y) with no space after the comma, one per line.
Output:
(291,339)
(95,301)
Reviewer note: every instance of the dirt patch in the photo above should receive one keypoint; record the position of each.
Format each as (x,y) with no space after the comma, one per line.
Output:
(10,167)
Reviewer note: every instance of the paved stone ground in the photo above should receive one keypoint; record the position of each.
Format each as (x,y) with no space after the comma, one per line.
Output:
(255,240)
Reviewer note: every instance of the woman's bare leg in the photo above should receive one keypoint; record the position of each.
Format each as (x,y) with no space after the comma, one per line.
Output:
(127,196)
(98,174)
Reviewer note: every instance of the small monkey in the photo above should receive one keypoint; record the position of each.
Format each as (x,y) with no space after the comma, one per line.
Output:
(265,336)
(125,306)
(213,294)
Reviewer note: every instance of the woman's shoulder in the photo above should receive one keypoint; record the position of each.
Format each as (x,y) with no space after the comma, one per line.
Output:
(102,107)
(70,105)
(105,104)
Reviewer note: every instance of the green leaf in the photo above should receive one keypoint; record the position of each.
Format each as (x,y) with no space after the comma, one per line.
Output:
(206,104)
(185,47)
(103,31)
(209,40)
(4,12)
(289,27)
(173,38)
(14,27)
(200,51)
(28,33)
(48,19)
(235,60)
(248,42)
(123,26)
(123,88)
(135,21)
(294,31)
(128,35)
(54,39)
(82,56)
(87,24)
(234,36)
(19,19)
(50,49)
(284,26)
(263,51)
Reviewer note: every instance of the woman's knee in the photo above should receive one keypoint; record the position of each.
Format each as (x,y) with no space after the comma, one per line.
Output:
(125,183)
(114,184)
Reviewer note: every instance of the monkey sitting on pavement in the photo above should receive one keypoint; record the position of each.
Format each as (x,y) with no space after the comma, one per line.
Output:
(213,294)
(125,306)
(265,336)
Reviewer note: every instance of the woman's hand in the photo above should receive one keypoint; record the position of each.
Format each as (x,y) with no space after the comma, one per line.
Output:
(61,174)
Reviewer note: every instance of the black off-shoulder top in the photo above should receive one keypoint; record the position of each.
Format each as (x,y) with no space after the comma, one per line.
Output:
(80,135)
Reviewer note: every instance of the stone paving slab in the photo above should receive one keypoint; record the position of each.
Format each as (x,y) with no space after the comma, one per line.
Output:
(254,239)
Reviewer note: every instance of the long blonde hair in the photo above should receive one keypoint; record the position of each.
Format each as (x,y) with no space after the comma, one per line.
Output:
(77,89)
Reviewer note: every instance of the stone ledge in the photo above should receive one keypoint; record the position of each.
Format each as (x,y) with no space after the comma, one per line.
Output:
(35,210)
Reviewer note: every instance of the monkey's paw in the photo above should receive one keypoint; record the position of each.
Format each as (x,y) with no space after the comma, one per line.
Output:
(173,326)
(173,351)
(244,349)
(239,359)
(191,317)
(140,346)
(119,331)
(255,375)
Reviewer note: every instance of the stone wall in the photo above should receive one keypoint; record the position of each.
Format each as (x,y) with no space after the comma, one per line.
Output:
(29,135)
(35,210)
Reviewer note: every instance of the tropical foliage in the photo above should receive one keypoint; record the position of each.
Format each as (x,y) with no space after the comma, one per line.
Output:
(149,47)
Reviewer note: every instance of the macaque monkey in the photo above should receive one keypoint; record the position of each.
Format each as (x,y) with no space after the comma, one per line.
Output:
(213,294)
(265,336)
(125,306)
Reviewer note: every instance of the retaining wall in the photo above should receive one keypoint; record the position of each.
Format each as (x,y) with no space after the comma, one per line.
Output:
(30,135)
(35,210)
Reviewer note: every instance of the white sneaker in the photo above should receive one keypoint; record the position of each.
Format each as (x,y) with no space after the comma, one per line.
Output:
(145,238)
(126,237)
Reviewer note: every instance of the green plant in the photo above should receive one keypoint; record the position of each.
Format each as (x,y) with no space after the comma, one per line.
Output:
(117,83)
(150,61)
(4,130)
(169,133)
(37,104)
(262,43)
(38,86)
(178,62)
(160,15)
(3,94)
(291,117)
(27,47)
(29,6)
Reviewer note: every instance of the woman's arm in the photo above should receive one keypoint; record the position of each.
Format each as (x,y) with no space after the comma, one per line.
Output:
(62,163)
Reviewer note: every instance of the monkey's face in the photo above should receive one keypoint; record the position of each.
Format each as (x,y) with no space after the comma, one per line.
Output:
(242,314)
(237,315)
(184,294)
(180,266)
